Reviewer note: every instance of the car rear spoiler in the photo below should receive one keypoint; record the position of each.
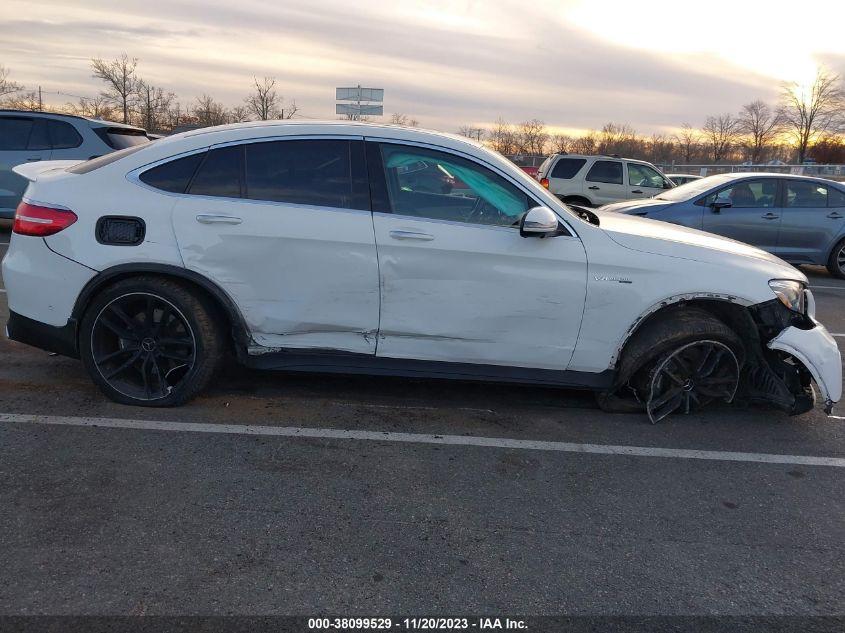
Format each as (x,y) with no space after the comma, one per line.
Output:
(32,170)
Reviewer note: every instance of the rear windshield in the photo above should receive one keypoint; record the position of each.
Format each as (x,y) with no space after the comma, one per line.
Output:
(121,138)
(102,161)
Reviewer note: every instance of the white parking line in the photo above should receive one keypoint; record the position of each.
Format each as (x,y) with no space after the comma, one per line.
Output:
(828,287)
(419,438)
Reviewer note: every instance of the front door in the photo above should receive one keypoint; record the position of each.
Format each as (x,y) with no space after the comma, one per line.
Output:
(458,282)
(754,214)
(284,227)
(644,181)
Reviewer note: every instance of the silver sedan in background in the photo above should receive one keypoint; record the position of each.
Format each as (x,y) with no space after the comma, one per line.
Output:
(797,218)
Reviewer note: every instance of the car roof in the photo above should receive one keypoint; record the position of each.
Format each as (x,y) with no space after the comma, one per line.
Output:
(771,174)
(601,156)
(62,115)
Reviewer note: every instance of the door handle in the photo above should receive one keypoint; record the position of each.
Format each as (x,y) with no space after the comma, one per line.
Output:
(770,216)
(34,159)
(411,235)
(593,187)
(835,215)
(637,191)
(211,218)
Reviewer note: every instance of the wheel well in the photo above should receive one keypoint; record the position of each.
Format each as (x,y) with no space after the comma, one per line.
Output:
(735,316)
(215,298)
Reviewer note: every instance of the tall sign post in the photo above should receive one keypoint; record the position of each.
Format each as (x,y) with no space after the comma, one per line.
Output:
(359,102)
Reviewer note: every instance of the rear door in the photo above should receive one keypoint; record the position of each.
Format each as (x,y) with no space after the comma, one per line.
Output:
(754,214)
(813,216)
(644,181)
(65,140)
(22,140)
(284,227)
(605,182)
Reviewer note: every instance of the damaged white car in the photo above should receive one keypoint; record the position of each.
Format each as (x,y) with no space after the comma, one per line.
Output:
(357,248)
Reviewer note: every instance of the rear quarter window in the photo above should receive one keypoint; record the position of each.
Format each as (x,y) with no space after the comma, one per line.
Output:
(566,168)
(63,135)
(173,176)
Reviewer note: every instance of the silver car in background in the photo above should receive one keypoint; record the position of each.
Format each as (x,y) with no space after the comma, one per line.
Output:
(797,218)
(27,137)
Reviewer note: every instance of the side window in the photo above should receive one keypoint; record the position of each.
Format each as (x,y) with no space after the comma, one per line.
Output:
(319,172)
(748,193)
(14,133)
(801,193)
(220,173)
(835,197)
(431,184)
(38,138)
(608,171)
(643,176)
(175,175)
(567,167)
(63,135)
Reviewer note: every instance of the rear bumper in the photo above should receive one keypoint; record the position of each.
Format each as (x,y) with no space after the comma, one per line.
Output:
(58,339)
(818,352)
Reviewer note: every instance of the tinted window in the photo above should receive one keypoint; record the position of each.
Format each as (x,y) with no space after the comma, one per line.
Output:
(121,138)
(38,138)
(801,193)
(748,193)
(430,184)
(835,198)
(63,135)
(316,172)
(173,176)
(14,133)
(567,167)
(644,176)
(608,171)
(220,173)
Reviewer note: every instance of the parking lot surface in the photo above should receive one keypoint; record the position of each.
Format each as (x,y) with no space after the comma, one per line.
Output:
(296,494)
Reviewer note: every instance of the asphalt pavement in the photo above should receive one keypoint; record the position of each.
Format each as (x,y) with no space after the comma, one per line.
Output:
(295,494)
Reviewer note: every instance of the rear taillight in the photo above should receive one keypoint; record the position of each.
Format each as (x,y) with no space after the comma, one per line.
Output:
(544,182)
(38,221)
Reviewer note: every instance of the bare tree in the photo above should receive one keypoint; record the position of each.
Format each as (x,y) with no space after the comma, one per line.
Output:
(760,124)
(721,133)
(472,131)
(560,143)
(532,136)
(95,107)
(153,104)
(659,149)
(7,86)
(25,101)
(264,103)
(121,82)
(616,138)
(502,137)
(688,140)
(239,114)
(208,112)
(585,144)
(810,113)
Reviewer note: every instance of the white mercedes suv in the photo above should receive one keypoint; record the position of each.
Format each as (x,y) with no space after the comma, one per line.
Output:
(358,248)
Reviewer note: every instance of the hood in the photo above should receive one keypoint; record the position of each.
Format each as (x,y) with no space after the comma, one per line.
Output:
(31,171)
(673,240)
(637,206)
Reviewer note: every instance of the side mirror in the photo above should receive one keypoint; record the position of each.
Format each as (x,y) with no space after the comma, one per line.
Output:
(668,184)
(721,203)
(538,222)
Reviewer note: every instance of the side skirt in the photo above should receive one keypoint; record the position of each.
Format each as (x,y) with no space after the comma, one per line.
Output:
(323,361)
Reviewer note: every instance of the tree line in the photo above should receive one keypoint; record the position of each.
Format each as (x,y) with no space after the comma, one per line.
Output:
(806,122)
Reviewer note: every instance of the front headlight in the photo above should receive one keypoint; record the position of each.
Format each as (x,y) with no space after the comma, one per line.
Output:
(790,293)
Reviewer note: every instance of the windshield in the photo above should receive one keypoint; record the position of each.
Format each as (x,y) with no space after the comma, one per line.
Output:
(692,189)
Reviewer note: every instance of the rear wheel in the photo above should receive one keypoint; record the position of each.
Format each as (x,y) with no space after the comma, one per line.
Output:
(150,341)
(836,261)
(677,363)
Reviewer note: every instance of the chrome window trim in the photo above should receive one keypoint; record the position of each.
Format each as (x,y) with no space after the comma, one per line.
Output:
(474,159)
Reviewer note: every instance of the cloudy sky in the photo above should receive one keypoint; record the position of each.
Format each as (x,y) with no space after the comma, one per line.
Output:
(574,64)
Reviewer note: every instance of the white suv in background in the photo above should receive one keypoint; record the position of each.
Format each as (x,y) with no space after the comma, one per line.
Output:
(592,181)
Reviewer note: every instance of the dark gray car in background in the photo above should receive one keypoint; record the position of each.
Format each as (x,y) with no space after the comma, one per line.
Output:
(27,137)
(799,219)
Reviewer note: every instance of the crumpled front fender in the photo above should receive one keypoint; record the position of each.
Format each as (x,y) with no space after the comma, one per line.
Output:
(816,349)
